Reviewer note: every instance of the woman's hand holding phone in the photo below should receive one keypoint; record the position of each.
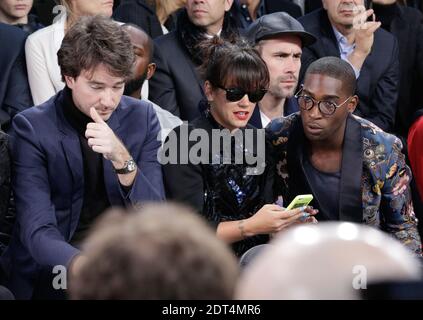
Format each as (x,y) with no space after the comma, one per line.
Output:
(272,218)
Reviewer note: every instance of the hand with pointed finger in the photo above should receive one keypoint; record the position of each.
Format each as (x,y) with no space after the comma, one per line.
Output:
(364,33)
(103,140)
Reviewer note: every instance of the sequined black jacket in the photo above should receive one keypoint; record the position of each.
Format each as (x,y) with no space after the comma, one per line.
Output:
(221,187)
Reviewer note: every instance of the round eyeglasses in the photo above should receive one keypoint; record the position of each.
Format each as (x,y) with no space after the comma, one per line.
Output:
(326,108)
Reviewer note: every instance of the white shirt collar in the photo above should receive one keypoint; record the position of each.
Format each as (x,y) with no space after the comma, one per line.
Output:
(209,36)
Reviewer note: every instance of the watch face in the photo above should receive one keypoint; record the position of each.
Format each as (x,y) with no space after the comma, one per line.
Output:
(131,165)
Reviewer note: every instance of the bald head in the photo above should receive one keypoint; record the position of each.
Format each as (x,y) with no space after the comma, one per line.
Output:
(140,39)
(143,67)
(327,261)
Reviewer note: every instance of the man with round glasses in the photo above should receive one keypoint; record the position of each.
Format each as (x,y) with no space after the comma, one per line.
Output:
(355,171)
(326,107)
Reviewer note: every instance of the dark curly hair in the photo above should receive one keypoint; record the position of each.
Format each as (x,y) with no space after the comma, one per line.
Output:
(93,41)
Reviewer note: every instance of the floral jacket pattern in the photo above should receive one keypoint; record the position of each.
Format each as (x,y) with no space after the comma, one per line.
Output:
(376,192)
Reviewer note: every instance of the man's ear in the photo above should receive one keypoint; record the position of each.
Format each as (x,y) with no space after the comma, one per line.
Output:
(70,81)
(228,4)
(352,104)
(151,69)
(324,4)
(208,90)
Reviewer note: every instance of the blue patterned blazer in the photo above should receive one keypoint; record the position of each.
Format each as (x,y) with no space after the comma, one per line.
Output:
(374,186)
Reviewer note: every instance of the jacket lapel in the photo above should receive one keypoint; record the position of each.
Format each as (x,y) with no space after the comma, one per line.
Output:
(72,151)
(191,66)
(71,146)
(329,42)
(350,196)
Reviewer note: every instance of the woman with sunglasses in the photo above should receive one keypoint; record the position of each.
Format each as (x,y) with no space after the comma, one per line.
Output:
(233,194)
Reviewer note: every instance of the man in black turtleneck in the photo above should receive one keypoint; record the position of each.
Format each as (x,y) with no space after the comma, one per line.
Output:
(84,150)
(176,85)
(95,195)
(406,24)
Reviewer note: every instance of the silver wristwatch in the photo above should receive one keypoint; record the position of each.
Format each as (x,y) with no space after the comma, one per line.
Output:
(129,167)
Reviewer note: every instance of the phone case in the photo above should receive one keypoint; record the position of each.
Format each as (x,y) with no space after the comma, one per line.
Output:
(300,201)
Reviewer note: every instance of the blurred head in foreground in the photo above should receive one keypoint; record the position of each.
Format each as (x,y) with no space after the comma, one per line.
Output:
(161,252)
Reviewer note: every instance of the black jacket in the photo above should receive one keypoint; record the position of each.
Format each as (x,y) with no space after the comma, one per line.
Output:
(220,192)
(270,6)
(177,86)
(6,222)
(15,94)
(143,15)
(283,5)
(378,84)
(407,26)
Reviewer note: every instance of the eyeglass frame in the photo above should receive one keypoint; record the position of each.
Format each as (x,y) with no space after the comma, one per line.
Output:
(319,101)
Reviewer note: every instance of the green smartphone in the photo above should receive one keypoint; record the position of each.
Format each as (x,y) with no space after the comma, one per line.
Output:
(300,201)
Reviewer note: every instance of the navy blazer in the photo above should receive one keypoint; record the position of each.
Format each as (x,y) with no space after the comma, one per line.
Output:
(378,83)
(15,95)
(48,182)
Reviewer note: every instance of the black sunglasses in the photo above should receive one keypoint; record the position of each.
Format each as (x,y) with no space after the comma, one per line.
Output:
(236,94)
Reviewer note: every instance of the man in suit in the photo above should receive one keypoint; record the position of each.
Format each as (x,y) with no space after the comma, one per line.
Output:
(355,171)
(82,151)
(279,39)
(247,11)
(372,52)
(15,95)
(176,85)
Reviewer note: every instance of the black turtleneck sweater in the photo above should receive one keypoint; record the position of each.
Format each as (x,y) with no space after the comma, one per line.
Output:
(95,195)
